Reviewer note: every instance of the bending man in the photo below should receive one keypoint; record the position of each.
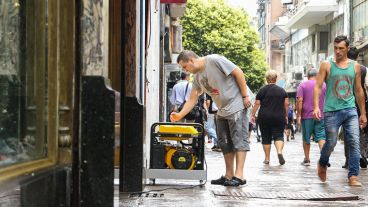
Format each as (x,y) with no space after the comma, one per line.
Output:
(225,83)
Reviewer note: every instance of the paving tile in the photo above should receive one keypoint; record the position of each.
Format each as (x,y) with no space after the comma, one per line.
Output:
(291,184)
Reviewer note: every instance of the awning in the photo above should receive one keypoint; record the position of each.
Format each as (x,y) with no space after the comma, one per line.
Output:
(279,31)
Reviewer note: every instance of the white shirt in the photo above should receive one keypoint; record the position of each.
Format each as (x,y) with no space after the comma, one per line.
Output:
(178,92)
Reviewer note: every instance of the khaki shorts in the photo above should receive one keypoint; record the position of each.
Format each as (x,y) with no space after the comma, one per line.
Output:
(232,132)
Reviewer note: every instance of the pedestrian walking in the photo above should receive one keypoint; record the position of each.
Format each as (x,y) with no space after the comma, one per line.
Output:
(273,103)
(210,125)
(310,126)
(258,135)
(180,94)
(289,127)
(353,54)
(342,77)
(249,113)
(225,83)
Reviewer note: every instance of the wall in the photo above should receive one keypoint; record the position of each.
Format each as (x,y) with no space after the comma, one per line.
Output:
(277,62)
(94,36)
(152,83)
(360,27)
(302,54)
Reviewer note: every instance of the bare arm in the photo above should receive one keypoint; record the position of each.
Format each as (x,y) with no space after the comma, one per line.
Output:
(240,80)
(359,94)
(321,77)
(189,104)
(206,105)
(299,106)
(286,106)
(254,111)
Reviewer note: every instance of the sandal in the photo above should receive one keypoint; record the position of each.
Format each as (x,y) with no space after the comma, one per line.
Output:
(219,181)
(281,159)
(235,182)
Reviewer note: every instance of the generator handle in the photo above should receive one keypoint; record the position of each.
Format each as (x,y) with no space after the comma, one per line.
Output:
(196,125)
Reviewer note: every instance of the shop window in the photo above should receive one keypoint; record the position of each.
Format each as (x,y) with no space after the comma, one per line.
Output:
(23,81)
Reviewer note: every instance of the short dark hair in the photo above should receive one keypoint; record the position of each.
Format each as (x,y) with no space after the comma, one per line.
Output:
(312,72)
(353,53)
(183,75)
(185,55)
(341,38)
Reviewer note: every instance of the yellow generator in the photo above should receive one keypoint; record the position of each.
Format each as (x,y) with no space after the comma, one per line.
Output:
(177,152)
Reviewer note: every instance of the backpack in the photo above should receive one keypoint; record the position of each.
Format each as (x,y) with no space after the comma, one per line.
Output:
(290,113)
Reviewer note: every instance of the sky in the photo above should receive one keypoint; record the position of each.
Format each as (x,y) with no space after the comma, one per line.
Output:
(249,5)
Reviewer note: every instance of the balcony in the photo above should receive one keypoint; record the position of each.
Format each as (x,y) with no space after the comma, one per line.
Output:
(279,30)
(277,46)
(310,12)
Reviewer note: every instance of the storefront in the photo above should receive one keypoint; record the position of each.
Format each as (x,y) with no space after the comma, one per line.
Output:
(359,29)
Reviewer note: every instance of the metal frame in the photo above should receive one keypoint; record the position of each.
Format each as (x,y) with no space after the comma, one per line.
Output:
(196,174)
(176,174)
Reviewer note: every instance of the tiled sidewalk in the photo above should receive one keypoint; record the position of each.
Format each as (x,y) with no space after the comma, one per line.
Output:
(289,179)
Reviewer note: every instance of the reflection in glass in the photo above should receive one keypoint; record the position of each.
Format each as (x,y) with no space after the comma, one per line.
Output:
(23,86)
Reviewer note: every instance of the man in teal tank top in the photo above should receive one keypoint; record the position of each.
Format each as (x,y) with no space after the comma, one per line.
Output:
(342,77)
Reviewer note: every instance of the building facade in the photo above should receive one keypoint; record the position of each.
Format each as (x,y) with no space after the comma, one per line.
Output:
(306,30)
(315,24)
(312,26)
(272,33)
(359,28)
(71,72)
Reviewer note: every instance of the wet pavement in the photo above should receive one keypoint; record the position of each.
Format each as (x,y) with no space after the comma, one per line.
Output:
(267,185)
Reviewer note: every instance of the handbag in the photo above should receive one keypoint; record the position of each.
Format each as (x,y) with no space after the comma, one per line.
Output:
(192,113)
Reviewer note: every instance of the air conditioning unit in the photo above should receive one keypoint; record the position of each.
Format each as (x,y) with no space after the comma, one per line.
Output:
(281,45)
(290,7)
(287,2)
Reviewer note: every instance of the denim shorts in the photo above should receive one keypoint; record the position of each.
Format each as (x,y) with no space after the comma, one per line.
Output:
(315,127)
(232,132)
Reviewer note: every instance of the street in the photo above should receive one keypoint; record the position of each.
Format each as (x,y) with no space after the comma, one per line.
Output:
(267,185)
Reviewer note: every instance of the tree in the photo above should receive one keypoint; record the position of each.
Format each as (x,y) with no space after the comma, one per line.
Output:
(211,27)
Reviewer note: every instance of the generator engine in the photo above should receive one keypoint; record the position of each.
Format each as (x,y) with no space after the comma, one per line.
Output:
(182,158)
(177,147)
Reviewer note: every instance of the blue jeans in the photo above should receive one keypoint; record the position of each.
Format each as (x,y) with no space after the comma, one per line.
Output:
(348,118)
(210,127)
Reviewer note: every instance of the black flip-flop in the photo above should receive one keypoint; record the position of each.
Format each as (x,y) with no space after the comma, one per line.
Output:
(235,182)
(240,181)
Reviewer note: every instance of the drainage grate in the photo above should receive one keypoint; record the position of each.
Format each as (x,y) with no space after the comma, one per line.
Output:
(286,195)
(146,195)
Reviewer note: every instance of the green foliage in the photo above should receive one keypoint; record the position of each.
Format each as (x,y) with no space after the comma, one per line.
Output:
(211,27)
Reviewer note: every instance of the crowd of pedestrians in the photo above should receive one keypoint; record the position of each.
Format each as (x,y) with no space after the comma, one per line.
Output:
(332,99)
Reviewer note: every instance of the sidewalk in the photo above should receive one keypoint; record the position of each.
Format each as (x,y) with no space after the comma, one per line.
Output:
(263,181)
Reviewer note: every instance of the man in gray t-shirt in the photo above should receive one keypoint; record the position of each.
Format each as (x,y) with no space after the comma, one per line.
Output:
(225,83)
